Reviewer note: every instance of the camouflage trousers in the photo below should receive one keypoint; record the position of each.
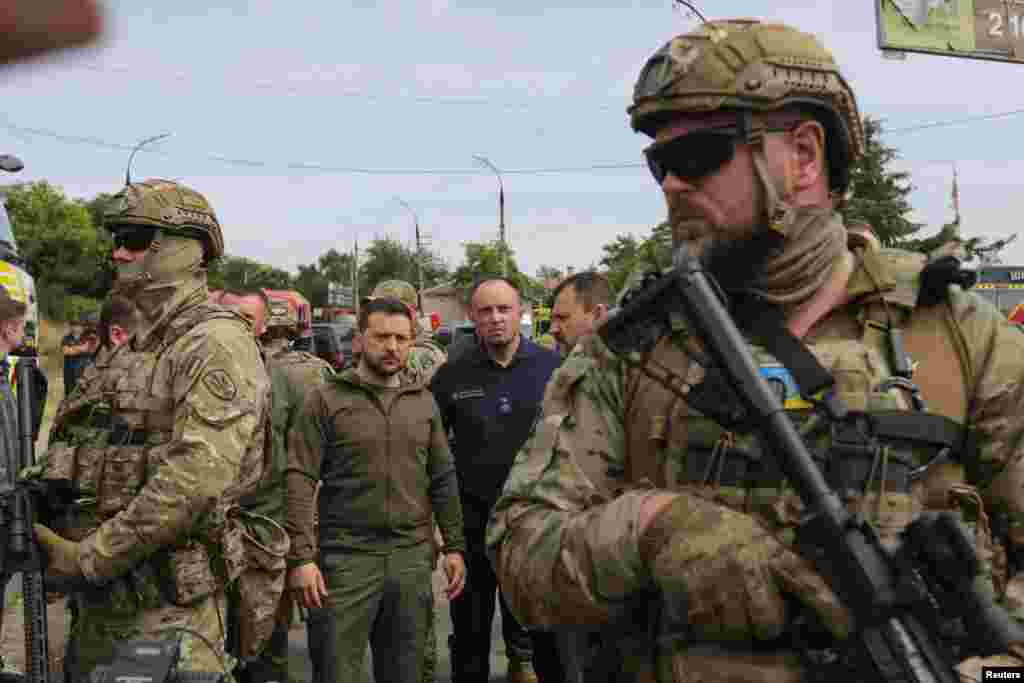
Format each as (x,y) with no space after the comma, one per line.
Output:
(271,662)
(103,617)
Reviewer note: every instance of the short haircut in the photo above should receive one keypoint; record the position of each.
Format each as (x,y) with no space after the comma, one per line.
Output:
(10,308)
(385,305)
(592,289)
(477,286)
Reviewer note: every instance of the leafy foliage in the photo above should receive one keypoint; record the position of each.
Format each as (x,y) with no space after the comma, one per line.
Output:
(880,195)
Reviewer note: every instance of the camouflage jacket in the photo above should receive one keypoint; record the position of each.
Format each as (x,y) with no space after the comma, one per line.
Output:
(425,358)
(292,374)
(563,537)
(172,439)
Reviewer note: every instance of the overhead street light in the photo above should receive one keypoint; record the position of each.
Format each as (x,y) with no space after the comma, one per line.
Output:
(419,254)
(501,211)
(142,143)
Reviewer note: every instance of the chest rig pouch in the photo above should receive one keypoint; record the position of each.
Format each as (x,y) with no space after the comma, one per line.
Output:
(876,457)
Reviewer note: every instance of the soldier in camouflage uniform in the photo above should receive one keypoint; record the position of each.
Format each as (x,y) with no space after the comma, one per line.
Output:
(165,452)
(627,500)
(292,374)
(425,357)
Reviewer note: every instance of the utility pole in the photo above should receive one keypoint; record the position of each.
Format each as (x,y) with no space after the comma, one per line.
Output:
(419,255)
(956,201)
(355,276)
(501,212)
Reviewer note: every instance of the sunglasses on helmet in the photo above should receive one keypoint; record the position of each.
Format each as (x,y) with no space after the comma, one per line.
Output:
(134,240)
(697,155)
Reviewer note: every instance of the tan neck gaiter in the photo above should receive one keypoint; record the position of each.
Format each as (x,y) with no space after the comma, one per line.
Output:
(815,242)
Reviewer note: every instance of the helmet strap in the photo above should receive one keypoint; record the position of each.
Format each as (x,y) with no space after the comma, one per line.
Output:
(776,193)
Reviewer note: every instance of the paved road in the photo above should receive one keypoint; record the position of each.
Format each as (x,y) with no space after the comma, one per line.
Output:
(298,662)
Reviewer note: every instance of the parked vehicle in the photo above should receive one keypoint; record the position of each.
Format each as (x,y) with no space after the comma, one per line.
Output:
(333,341)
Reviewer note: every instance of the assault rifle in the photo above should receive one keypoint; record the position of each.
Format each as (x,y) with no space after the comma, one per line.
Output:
(903,600)
(19,552)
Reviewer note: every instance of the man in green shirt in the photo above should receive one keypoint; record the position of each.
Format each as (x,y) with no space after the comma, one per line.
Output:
(379,449)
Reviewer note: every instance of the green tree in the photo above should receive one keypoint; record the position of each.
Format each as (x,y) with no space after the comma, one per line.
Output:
(336,267)
(238,272)
(483,261)
(389,259)
(880,195)
(545,273)
(97,207)
(65,253)
(312,285)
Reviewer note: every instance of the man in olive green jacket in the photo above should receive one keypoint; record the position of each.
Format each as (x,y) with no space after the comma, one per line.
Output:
(380,450)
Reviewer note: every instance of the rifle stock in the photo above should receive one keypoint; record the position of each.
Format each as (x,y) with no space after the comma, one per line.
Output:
(897,597)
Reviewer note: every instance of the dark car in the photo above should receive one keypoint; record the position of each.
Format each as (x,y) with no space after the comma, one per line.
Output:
(332,341)
(463,338)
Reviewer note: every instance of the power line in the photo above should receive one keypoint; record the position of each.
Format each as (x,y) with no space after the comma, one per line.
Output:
(316,167)
(954,122)
(313,166)
(292,88)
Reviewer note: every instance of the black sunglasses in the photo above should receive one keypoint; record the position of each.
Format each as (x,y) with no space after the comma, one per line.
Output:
(133,240)
(696,155)
(693,156)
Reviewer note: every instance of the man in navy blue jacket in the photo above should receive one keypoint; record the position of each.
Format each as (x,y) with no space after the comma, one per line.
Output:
(490,398)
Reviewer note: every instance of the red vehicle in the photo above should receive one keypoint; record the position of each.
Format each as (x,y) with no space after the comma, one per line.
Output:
(1017,315)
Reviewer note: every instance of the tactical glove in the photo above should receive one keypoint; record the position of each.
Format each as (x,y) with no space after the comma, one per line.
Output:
(725,577)
(61,558)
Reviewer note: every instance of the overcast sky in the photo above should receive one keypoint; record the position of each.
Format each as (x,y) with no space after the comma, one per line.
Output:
(294,92)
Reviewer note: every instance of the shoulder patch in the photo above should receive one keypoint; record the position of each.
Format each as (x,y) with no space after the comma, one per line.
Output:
(220,384)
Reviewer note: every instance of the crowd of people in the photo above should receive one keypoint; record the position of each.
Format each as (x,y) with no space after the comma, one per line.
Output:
(228,478)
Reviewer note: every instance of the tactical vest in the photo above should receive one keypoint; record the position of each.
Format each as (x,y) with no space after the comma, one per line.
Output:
(917,459)
(107,437)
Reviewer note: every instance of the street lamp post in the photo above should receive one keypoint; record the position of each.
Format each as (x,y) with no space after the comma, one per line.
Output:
(419,254)
(501,212)
(142,143)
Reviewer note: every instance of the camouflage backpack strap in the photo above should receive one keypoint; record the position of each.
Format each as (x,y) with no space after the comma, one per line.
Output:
(936,345)
(889,287)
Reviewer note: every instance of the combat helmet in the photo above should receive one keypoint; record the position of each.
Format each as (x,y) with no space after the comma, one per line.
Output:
(748,66)
(397,289)
(171,209)
(282,313)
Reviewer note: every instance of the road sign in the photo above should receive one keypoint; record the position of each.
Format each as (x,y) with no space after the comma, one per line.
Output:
(338,295)
(975,29)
